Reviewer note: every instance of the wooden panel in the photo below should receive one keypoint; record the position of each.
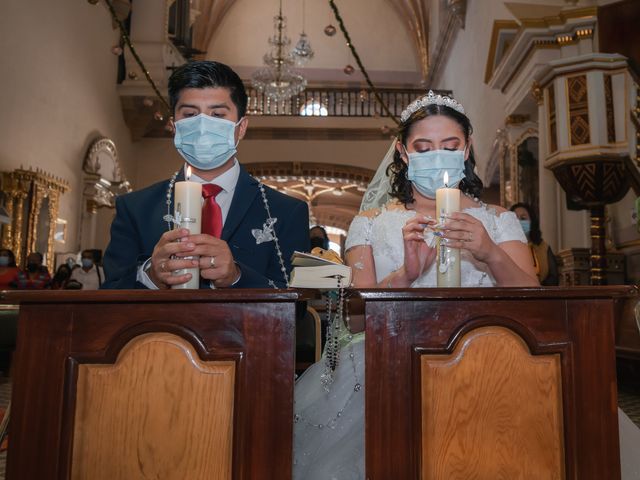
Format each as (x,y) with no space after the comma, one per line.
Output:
(161,411)
(61,331)
(576,324)
(491,410)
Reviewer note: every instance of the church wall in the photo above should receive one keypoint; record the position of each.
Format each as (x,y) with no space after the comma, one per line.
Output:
(463,73)
(58,94)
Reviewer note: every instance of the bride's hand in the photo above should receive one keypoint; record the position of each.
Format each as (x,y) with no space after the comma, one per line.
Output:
(465,231)
(418,255)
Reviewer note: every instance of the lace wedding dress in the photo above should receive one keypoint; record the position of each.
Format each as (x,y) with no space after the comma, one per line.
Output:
(329,426)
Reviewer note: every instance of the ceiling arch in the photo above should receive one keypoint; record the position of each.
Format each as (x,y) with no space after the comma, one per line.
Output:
(236,32)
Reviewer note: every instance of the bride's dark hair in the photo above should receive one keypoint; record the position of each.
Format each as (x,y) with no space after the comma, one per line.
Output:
(397,170)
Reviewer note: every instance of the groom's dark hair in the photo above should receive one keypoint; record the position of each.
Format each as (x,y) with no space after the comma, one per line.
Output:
(207,74)
(397,170)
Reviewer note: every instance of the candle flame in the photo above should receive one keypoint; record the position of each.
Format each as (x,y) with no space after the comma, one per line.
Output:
(446,179)
(189,172)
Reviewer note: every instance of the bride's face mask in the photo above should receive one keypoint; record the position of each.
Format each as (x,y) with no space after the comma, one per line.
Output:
(426,170)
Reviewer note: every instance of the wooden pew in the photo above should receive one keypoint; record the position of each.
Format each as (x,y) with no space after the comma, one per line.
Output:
(492,383)
(153,384)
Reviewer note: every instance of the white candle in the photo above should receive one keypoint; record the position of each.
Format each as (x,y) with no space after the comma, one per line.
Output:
(187,210)
(448,259)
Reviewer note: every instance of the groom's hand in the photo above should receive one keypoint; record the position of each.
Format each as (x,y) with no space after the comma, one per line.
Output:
(216,260)
(168,256)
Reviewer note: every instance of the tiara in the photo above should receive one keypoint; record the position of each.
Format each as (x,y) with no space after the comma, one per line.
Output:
(430,99)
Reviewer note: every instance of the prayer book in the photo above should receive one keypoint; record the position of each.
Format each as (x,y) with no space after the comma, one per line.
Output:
(315,271)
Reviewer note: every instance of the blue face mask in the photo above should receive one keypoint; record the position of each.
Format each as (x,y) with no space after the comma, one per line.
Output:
(205,142)
(426,170)
(526,226)
(87,263)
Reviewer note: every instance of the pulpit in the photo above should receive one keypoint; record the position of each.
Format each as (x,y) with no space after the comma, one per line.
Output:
(153,384)
(492,383)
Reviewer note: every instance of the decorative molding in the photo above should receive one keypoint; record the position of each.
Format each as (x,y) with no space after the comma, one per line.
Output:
(454,21)
(331,173)
(332,192)
(102,159)
(500,27)
(537,93)
(547,32)
(103,179)
(516,119)
(579,127)
(415,14)
(593,183)
(608,98)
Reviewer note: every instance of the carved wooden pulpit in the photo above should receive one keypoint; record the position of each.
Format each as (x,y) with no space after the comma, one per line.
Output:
(492,383)
(153,384)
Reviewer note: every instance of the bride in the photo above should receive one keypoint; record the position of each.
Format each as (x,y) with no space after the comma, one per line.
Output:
(391,247)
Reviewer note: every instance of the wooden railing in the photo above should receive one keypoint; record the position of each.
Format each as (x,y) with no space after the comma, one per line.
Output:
(335,102)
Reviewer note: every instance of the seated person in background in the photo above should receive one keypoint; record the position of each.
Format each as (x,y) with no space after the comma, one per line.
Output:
(89,274)
(249,230)
(8,268)
(35,276)
(62,279)
(543,257)
(319,238)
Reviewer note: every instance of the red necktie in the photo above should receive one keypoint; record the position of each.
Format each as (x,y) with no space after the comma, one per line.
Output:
(211,212)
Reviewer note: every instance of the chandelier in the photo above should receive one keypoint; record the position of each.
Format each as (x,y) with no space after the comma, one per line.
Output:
(302,52)
(276,79)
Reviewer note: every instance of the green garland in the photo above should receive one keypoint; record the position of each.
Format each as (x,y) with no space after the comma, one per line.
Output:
(336,12)
(127,41)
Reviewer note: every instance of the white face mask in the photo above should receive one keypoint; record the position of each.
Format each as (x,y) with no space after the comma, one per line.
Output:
(426,170)
(205,142)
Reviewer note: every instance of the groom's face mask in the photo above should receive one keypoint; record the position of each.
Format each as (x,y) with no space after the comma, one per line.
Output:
(426,169)
(204,141)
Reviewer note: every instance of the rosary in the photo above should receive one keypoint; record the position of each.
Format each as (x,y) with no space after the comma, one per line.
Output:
(267,233)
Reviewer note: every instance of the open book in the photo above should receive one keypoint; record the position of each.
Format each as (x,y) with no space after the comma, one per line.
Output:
(311,271)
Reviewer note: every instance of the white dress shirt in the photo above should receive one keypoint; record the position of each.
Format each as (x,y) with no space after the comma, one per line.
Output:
(227,181)
(90,280)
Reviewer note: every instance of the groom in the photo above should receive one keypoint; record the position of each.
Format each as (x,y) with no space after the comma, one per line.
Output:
(237,247)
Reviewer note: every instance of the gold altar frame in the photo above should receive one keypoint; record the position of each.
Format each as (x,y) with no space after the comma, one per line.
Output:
(25,194)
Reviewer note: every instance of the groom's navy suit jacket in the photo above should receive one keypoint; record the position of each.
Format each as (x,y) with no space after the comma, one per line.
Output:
(139,224)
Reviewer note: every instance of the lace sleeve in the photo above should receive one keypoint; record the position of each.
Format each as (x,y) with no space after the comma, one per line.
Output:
(359,232)
(508,228)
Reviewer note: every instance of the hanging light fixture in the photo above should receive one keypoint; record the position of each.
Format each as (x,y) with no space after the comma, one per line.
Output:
(276,79)
(303,52)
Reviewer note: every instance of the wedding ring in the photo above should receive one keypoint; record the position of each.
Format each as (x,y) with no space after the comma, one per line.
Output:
(212,262)
(470,237)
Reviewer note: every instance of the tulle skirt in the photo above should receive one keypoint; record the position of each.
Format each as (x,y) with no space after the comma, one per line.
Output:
(329,426)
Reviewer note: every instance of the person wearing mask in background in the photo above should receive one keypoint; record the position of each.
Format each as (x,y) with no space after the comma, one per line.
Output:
(89,274)
(62,279)
(543,257)
(8,269)
(319,238)
(35,276)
